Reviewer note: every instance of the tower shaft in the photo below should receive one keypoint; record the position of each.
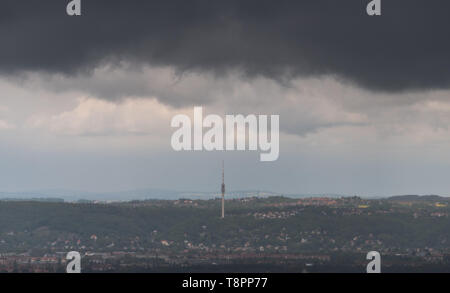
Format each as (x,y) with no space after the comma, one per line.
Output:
(223,190)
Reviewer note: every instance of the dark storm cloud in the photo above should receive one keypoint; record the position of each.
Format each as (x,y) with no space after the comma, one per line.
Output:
(406,48)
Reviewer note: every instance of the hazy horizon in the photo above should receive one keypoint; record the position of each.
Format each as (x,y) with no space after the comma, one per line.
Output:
(161,194)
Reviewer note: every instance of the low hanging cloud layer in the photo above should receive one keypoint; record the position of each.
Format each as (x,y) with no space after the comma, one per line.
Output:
(74,106)
(407,48)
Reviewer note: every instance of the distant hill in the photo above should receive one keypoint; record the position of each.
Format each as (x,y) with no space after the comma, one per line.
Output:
(138,194)
(276,224)
(417,198)
(42,199)
(163,194)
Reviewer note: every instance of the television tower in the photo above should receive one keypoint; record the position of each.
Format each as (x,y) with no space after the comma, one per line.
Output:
(223,190)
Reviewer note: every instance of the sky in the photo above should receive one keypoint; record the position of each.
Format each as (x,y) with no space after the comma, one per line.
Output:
(364,102)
